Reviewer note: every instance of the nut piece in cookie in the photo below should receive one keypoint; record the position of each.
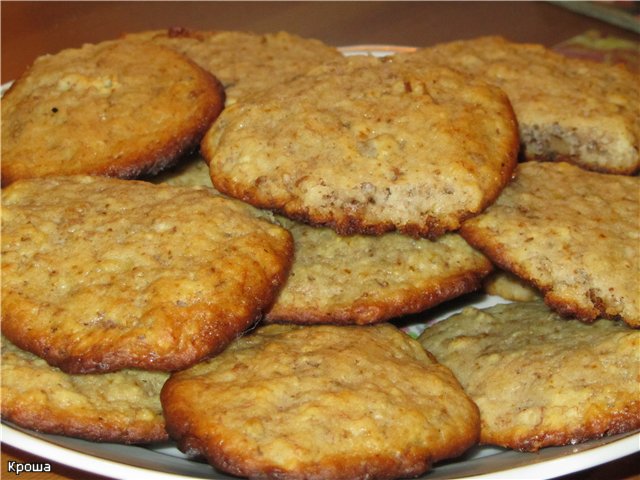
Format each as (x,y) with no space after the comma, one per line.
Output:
(363,279)
(571,233)
(245,62)
(101,274)
(365,146)
(538,379)
(115,108)
(323,402)
(122,407)
(568,109)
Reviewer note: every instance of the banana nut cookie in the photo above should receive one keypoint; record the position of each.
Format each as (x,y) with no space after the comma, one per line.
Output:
(101,274)
(571,233)
(365,146)
(569,109)
(538,379)
(114,108)
(122,407)
(245,62)
(363,279)
(322,402)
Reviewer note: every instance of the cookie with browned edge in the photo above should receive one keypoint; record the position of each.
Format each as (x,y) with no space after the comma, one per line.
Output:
(115,108)
(121,407)
(322,402)
(364,146)
(571,233)
(102,274)
(362,279)
(539,379)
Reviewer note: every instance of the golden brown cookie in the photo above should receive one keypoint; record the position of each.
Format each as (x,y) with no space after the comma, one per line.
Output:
(538,379)
(122,407)
(363,279)
(322,402)
(571,233)
(245,62)
(115,108)
(568,109)
(102,274)
(364,146)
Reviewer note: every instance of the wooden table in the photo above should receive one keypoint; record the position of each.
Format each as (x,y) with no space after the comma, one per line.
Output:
(30,29)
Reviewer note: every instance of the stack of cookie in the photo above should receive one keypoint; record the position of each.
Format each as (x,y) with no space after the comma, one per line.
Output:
(333,196)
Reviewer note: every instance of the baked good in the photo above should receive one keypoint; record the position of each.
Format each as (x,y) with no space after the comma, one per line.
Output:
(363,279)
(568,109)
(245,62)
(102,274)
(364,146)
(101,110)
(571,233)
(507,285)
(538,379)
(320,402)
(121,407)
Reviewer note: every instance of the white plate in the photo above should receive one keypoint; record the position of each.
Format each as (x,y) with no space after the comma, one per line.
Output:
(166,462)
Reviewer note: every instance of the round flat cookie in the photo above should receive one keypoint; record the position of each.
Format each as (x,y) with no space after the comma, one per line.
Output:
(364,146)
(322,402)
(569,109)
(115,108)
(101,274)
(245,62)
(121,407)
(571,233)
(363,279)
(538,379)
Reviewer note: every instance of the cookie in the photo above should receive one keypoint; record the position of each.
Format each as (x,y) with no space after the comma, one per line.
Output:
(507,285)
(120,407)
(571,233)
(102,274)
(245,62)
(363,279)
(320,402)
(364,146)
(115,108)
(568,109)
(538,379)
